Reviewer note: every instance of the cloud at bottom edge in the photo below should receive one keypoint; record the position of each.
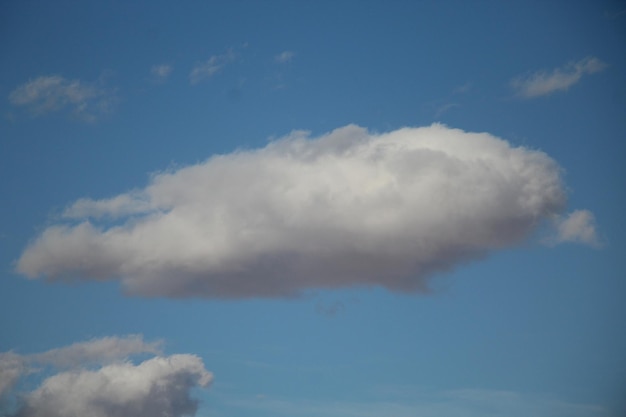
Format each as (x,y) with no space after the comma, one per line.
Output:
(160,385)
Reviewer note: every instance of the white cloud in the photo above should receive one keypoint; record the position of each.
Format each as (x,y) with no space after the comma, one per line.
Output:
(161,72)
(210,67)
(577,227)
(94,352)
(560,79)
(283,57)
(54,93)
(347,208)
(157,386)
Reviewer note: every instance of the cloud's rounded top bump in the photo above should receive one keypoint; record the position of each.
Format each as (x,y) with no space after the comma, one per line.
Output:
(347,208)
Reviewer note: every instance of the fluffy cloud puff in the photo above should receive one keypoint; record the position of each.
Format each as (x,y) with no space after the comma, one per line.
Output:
(347,208)
(93,352)
(578,227)
(157,386)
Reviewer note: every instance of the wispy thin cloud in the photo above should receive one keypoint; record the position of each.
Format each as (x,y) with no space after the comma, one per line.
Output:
(349,208)
(463,89)
(451,101)
(559,79)
(160,73)
(51,93)
(96,351)
(454,403)
(444,109)
(211,67)
(283,57)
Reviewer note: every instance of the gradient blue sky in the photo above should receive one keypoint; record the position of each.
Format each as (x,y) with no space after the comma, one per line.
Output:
(98,96)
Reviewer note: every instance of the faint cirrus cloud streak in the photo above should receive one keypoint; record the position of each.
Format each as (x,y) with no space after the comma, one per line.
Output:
(51,93)
(284,57)
(210,67)
(543,83)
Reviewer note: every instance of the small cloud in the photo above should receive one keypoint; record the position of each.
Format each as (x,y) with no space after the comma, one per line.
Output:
(444,108)
(210,67)
(283,57)
(52,93)
(578,227)
(160,73)
(560,79)
(160,385)
(465,88)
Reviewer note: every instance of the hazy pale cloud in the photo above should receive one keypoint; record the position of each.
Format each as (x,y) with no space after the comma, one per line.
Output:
(210,67)
(455,403)
(54,93)
(347,208)
(160,73)
(560,79)
(157,386)
(284,57)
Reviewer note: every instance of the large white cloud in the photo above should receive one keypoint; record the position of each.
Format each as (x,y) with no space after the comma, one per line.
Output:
(347,208)
(116,387)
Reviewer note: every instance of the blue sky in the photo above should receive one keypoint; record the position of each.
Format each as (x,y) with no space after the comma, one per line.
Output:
(312,208)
